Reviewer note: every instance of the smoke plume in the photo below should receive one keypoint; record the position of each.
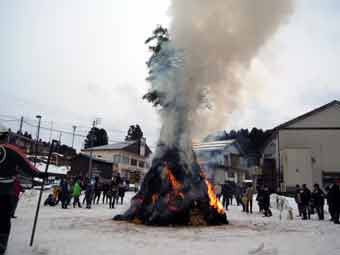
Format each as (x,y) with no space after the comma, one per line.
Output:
(219,39)
(197,75)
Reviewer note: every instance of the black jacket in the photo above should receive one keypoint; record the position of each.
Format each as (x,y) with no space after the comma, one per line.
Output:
(305,196)
(318,197)
(334,196)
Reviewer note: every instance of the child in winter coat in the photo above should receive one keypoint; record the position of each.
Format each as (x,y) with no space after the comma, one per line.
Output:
(76,194)
(88,194)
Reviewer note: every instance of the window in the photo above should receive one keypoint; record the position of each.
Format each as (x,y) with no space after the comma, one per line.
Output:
(125,160)
(116,159)
(141,164)
(133,162)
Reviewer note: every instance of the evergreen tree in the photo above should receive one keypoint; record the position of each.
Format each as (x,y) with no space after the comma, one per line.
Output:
(159,36)
(96,137)
(134,133)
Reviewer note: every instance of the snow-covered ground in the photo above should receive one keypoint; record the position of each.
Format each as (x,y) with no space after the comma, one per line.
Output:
(91,232)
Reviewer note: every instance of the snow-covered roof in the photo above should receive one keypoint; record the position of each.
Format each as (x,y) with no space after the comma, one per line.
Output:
(217,145)
(114,146)
(96,159)
(53,169)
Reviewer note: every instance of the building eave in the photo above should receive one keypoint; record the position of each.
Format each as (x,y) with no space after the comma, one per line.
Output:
(306,115)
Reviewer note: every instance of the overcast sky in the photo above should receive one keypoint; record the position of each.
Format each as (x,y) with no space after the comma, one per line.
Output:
(74,60)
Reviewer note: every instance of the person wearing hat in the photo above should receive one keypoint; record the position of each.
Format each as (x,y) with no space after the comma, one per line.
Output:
(12,163)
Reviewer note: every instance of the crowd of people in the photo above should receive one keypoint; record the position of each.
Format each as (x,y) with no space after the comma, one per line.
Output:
(243,195)
(110,193)
(310,202)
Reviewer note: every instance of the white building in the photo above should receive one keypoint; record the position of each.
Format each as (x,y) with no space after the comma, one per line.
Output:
(222,160)
(130,158)
(305,149)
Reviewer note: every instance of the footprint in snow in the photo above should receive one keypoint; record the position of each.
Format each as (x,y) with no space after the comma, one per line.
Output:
(262,251)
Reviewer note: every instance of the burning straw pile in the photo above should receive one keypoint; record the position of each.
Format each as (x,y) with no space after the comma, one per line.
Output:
(172,194)
(175,191)
(175,194)
(195,77)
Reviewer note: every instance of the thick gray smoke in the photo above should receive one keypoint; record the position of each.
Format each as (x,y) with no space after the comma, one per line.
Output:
(217,40)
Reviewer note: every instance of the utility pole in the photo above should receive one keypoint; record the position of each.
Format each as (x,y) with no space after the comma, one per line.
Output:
(92,136)
(60,134)
(51,129)
(91,145)
(37,139)
(73,134)
(21,124)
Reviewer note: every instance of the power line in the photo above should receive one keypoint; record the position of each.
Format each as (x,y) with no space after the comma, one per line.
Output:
(3,120)
(117,135)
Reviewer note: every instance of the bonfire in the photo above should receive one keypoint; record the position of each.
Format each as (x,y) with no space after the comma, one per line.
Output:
(175,191)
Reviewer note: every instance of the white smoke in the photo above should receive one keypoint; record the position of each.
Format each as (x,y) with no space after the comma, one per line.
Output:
(215,41)
(219,39)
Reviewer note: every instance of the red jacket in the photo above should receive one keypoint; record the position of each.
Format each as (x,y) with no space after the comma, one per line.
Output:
(17,188)
(13,162)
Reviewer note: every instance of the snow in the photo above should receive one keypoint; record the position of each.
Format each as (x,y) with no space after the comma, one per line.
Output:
(53,168)
(89,232)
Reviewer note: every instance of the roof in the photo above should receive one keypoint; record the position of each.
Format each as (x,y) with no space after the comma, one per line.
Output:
(114,146)
(96,159)
(217,145)
(308,114)
(129,146)
(299,118)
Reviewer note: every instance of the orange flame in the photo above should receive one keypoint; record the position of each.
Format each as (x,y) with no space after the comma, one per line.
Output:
(172,179)
(214,202)
(154,198)
(176,185)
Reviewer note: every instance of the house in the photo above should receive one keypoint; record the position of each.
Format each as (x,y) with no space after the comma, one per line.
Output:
(222,161)
(24,142)
(304,150)
(100,167)
(129,158)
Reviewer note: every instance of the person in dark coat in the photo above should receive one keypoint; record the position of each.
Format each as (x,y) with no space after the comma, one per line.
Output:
(88,193)
(305,202)
(50,200)
(334,201)
(112,194)
(297,198)
(97,190)
(249,198)
(106,188)
(121,191)
(260,198)
(238,194)
(12,164)
(226,194)
(65,193)
(318,198)
(266,202)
